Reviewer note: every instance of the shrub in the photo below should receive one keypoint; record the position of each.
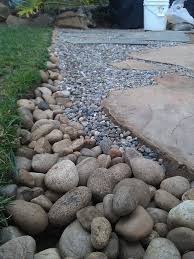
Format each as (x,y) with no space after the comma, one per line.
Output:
(30,7)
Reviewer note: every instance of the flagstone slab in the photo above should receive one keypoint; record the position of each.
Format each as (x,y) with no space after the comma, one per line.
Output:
(182,55)
(136,64)
(161,116)
(117,36)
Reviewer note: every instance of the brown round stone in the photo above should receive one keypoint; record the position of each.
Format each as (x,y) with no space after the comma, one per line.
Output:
(189,195)
(120,171)
(128,194)
(161,229)
(100,183)
(108,208)
(165,200)
(64,209)
(85,168)
(86,215)
(28,216)
(101,231)
(115,152)
(136,226)
(62,177)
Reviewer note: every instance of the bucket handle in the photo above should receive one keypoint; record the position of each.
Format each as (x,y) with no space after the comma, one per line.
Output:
(160,15)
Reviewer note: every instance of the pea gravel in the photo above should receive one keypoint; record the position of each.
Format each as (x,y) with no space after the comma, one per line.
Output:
(89,76)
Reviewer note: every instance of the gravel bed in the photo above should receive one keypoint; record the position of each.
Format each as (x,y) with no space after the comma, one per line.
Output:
(89,76)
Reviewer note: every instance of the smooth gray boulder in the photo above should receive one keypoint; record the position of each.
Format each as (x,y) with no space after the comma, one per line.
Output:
(158,215)
(130,249)
(112,249)
(9,233)
(100,182)
(97,255)
(189,255)
(75,242)
(51,253)
(162,248)
(182,215)
(18,248)
(128,194)
(41,163)
(183,238)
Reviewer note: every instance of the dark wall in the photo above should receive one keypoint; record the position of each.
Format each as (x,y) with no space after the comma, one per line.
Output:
(127,14)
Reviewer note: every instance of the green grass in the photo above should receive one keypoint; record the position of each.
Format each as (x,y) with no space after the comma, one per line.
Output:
(23,52)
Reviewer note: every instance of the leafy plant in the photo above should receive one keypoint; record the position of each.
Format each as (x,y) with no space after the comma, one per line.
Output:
(29,7)
(3,202)
(53,6)
(94,2)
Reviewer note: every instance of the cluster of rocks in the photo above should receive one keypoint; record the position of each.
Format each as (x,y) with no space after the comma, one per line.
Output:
(107,205)
(77,18)
(84,17)
(105,202)
(8,16)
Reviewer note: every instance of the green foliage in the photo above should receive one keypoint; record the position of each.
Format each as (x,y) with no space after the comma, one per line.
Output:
(29,7)
(93,2)
(53,6)
(3,202)
(23,52)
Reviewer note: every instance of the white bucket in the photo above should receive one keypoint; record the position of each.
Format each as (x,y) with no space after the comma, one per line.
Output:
(155,15)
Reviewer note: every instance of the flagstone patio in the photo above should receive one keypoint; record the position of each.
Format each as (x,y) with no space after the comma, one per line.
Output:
(161,116)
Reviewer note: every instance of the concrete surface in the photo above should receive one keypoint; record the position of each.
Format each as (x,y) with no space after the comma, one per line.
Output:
(114,36)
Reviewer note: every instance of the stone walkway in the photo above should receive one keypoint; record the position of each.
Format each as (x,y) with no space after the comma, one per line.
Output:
(89,74)
(131,37)
(161,116)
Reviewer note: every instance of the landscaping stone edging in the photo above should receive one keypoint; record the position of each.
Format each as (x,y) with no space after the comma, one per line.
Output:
(119,190)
